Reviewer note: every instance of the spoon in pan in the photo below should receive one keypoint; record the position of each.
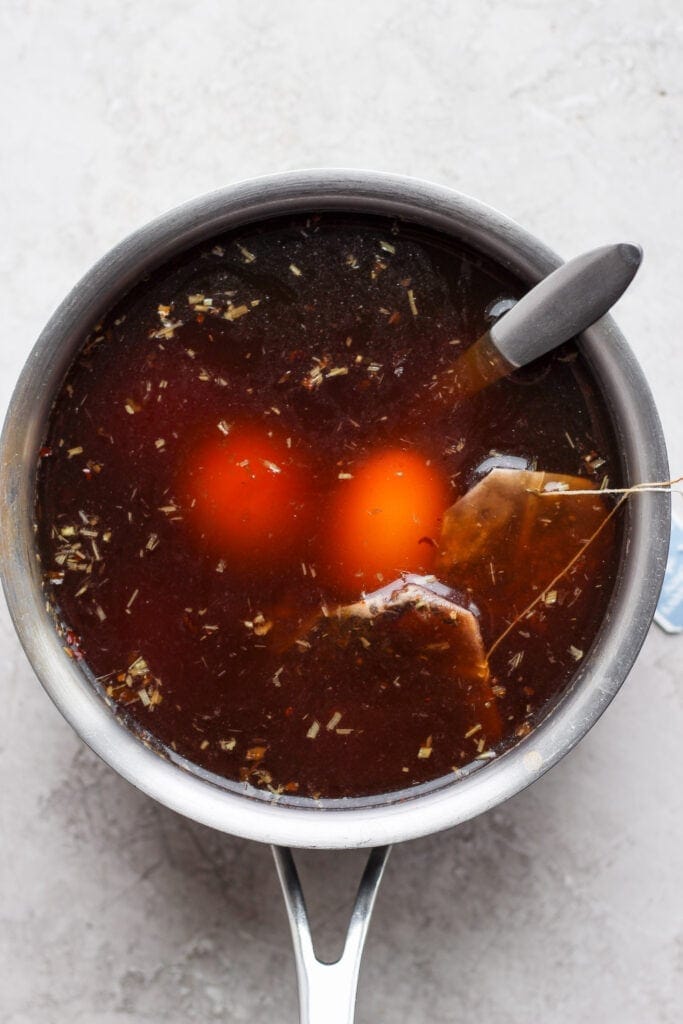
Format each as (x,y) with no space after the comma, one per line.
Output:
(561,306)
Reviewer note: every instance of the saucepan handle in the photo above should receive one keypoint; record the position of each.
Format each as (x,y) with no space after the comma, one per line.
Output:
(327,992)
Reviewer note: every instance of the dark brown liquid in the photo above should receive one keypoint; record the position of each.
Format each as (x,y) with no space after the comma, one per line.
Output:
(208,484)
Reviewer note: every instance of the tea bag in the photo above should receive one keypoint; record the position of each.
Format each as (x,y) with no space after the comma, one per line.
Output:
(414,624)
(506,540)
(428,611)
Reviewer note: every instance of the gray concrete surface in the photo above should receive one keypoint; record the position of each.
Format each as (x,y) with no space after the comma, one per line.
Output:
(563,905)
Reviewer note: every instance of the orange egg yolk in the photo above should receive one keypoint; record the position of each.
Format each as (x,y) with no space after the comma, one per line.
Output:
(248,495)
(386,519)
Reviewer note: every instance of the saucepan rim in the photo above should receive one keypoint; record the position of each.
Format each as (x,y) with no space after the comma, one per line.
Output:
(382,820)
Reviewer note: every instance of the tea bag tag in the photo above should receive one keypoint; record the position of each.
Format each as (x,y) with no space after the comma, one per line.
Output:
(669,614)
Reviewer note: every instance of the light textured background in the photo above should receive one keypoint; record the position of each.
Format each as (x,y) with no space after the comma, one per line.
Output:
(563,905)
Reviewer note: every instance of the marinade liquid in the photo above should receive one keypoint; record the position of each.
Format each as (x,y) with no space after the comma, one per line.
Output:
(281,555)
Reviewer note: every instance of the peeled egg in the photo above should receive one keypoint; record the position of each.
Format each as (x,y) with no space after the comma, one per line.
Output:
(248,495)
(386,519)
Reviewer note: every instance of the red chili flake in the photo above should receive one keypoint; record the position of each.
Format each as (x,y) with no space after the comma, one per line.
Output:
(289,712)
(127,696)
(45,452)
(74,645)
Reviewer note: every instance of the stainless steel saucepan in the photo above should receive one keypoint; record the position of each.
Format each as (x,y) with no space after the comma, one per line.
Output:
(327,992)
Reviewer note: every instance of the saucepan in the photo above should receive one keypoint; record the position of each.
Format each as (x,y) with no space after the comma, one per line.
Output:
(327,991)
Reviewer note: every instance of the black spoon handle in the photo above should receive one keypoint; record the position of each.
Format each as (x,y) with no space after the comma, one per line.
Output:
(565,303)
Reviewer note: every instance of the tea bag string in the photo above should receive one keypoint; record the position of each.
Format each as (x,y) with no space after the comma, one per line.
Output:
(660,486)
(665,486)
